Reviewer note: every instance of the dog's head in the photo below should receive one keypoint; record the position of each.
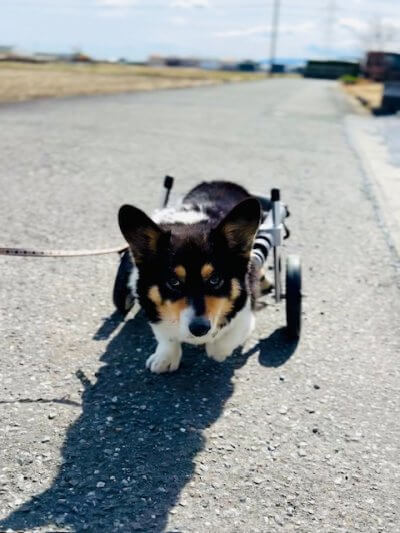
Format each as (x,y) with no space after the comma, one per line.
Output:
(192,276)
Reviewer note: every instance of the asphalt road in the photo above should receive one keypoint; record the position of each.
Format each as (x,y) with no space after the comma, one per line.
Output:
(281,437)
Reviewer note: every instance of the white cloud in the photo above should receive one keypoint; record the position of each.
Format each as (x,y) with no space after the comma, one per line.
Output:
(225,28)
(117,3)
(394,23)
(178,21)
(189,3)
(115,9)
(266,29)
(353,24)
(377,32)
(254,30)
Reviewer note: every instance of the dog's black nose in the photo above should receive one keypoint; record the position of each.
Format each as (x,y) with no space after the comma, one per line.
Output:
(199,326)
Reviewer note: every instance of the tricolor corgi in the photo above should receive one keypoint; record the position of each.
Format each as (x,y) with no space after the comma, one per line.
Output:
(193,275)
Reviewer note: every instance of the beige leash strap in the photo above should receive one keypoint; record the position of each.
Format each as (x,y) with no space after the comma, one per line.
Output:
(25,252)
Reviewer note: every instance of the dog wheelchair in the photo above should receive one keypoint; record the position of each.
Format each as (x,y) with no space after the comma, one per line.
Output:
(270,235)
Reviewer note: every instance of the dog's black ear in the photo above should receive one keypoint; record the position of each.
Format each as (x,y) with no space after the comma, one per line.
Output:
(142,234)
(238,228)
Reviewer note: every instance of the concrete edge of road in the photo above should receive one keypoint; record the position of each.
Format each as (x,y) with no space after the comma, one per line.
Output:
(382,179)
(355,104)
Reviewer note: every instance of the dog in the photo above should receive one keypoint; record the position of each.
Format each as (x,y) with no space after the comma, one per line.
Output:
(193,276)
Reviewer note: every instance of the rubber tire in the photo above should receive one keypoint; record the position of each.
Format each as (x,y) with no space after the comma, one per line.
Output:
(293,296)
(122,297)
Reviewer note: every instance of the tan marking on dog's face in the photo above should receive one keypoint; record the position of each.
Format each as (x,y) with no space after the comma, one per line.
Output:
(166,309)
(180,271)
(235,289)
(206,270)
(154,295)
(217,307)
(171,311)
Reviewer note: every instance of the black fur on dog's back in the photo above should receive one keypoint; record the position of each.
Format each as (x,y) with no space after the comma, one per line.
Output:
(215,198)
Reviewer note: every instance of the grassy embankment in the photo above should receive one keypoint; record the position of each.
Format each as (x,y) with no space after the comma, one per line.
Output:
(25,81)
(368,93)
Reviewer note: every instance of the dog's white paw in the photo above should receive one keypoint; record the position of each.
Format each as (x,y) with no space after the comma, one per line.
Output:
(162,361)
(218,351)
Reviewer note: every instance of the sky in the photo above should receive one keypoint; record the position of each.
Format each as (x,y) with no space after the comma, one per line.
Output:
(234,29)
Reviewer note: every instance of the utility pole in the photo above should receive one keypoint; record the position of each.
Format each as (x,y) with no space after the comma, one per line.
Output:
(274,35)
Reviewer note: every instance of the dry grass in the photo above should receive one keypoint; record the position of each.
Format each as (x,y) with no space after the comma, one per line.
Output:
(367,92)
(24,81)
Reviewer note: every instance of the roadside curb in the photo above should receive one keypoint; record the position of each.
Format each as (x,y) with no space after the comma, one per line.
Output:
(356,104)
(382,178)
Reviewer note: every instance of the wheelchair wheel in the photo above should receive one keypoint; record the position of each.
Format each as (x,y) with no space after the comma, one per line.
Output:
(122,297)
(293,296)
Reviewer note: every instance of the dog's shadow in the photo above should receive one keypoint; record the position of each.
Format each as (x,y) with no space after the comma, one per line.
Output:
(132,450)
(275,350)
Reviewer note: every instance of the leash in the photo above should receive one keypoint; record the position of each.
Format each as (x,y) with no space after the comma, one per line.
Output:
(26,252)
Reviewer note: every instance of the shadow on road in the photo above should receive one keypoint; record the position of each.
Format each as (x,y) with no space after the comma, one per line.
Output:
(108,326)
(275,350)
(132,450)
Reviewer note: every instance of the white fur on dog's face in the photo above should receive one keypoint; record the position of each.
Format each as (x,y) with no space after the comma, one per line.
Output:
(179,330)
(177,323)
(186,316)
(168,354)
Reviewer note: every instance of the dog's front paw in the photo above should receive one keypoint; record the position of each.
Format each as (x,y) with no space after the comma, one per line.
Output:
(164,361)
(218,351)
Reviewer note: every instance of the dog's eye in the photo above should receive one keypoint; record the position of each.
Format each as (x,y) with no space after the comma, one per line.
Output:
(215,281)
(174,283)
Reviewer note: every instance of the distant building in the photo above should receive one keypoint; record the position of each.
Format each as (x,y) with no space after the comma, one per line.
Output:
(75,57)
(156,61)
(11,53)
(203,63)
(173,61)
(182,62)
(45,57)
(6,50)
(382,66)
(330,70)
(248,66)
(277,68)
(385,67)
(80,57)
(229,64)
(210,64)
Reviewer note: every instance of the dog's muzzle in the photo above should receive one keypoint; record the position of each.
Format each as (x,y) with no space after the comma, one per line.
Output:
(199,326)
